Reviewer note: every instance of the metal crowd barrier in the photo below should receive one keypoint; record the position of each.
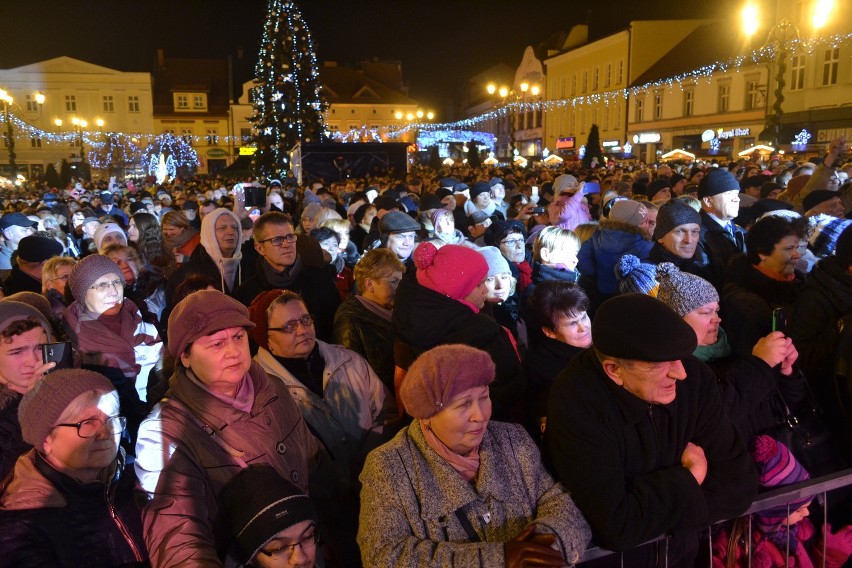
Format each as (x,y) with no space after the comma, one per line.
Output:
(819,486)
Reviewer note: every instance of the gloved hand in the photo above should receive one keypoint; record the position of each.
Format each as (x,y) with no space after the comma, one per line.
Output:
(838,546)
(532,550)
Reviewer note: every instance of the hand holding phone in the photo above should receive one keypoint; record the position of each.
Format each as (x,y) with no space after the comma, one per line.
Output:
(58,353)
(779,320)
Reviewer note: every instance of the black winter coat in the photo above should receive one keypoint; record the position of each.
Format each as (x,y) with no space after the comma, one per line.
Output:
(315,285)
(542,364)
(719,247)
(699,265)
(12,445)
(748,299)
(362,331)
(620,457)
(99,524)
(423,318)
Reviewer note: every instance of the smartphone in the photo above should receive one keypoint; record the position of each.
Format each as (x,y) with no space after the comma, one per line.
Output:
(255,196)
(59,353)
(535,190)
(779,320)
(591,187)
(538,210)
(372,194)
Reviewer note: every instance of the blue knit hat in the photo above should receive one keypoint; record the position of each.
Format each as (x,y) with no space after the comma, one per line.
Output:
(717,181)
(636,276)
(824,234)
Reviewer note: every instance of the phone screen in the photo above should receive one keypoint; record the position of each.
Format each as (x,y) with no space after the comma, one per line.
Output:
(59,353)
(779,320)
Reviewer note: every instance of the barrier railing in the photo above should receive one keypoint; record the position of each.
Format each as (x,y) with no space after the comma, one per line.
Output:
(774,498)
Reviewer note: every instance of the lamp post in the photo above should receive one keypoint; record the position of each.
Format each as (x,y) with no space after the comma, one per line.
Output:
(779,36)
(80,124)
(511,97)
(7,100)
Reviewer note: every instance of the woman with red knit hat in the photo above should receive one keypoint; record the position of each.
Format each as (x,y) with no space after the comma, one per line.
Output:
(443,306)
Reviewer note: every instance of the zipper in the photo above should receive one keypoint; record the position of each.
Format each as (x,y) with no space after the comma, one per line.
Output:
(656,431)
(121,527)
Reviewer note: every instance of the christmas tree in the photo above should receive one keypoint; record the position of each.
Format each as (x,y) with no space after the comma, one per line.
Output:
(288,108)
(593,148)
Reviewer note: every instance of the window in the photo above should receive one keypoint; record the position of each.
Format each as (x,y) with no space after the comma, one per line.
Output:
(752,95)
(617,111)
(640,109)
(562,88)
(133,103)
(658,106)
(573,84)
(212,136)
(608,75)
(182,102)
(585,81)
(169,131)
(186,134)
(109,103)
(35,142)
(70,103)
(606,118)
(797,72)
(32,105)
(245,135)
(582,121)
(199,102)
(724,97)
(688,101)
(830,59)
(594,116)
(596,78)
(619,76)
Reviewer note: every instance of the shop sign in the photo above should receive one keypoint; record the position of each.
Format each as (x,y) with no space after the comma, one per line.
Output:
(723,134)
(610,143)
(217,153)
(565,143)
(647,138)
(708,135)
(247,150)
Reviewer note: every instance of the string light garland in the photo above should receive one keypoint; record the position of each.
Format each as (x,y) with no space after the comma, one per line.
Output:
(173,148)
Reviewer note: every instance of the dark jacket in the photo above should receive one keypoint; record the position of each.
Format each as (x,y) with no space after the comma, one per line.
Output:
(542,364)
(315,285)
(620,457)
(698,265)
(12,445)
(748,298)
(719,247)
(49,519)
(423,318)
(362,331)
(599,254)
(20,281)
(199,264)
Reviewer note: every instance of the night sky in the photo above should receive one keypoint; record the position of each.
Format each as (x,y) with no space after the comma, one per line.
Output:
(439,42)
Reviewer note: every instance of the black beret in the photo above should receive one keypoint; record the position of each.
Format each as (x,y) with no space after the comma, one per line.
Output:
(38,249)
(641,328)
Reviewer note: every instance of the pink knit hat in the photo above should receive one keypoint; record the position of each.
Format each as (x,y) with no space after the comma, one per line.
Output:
(453,270)
(440,374)
(776,466)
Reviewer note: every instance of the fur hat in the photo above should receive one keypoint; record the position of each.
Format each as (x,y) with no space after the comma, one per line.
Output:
(620,329)
(674,214)
(717,181)
(397,222)
(497,263)
(681,291)
(255,517)
(636,276)
(453,270)
(776,466)
(202,313)
(42,406)
(87,271)
(440,374)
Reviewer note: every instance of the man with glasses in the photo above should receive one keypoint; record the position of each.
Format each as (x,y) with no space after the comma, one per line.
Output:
(280,266)
(342,400)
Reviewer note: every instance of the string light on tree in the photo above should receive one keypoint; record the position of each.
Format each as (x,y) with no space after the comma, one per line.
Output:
(288,108)
(174,149)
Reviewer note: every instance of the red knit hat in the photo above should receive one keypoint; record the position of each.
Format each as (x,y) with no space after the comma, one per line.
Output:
(257,314)
(440,374)
(453,270)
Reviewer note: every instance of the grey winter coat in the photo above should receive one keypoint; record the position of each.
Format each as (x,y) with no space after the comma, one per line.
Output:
(411,499)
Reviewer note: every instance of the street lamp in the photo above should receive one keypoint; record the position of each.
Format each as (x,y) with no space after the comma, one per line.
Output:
(778,37)
(80,124)
(510,97)
(7,100)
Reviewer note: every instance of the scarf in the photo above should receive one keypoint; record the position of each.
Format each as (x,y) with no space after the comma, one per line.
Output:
(286,277)
(524,276)
(710,353)
(310,371)
(774,275)
(243,400)
(466,466)
(176,242)
(375,308)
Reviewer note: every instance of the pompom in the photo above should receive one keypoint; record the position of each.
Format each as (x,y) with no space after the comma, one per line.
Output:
(666,270)
(424,255)
(626,264)
(763,448)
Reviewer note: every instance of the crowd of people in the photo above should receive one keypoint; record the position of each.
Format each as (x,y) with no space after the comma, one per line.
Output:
(468,367)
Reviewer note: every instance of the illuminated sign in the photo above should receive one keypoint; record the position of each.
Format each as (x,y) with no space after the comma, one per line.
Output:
(647,138)
(216,153)
(708,135)
(723,134)
(565,143)
(247,150)
(610,143)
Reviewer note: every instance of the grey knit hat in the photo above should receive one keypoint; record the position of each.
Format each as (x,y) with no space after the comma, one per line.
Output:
(202,313)
(674,214)
(636,276)
(12,311)
(42,406)
(497,263)
(683,292)
(87,271)
(397,222)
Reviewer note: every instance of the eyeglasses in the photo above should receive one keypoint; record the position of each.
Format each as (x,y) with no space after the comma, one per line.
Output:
(278,241)
(89,428)
(306,320)
(104,286)
(307,543)
(513,242)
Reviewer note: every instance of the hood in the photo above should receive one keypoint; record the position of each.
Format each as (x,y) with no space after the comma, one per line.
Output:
(208,235)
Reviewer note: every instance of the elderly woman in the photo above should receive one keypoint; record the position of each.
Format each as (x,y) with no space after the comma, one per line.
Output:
(363,320)
(454,488)
(444,225)
(221,413)
(108,234)
(54,282)
(23,329)
(69,501)
(108,331)
(145,288)
(179,236)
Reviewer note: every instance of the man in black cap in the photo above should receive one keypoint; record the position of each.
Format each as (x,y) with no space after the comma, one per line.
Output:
(721,238)
(398,232)
(638,436)
(33,252)
(14,227)
(108,207)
